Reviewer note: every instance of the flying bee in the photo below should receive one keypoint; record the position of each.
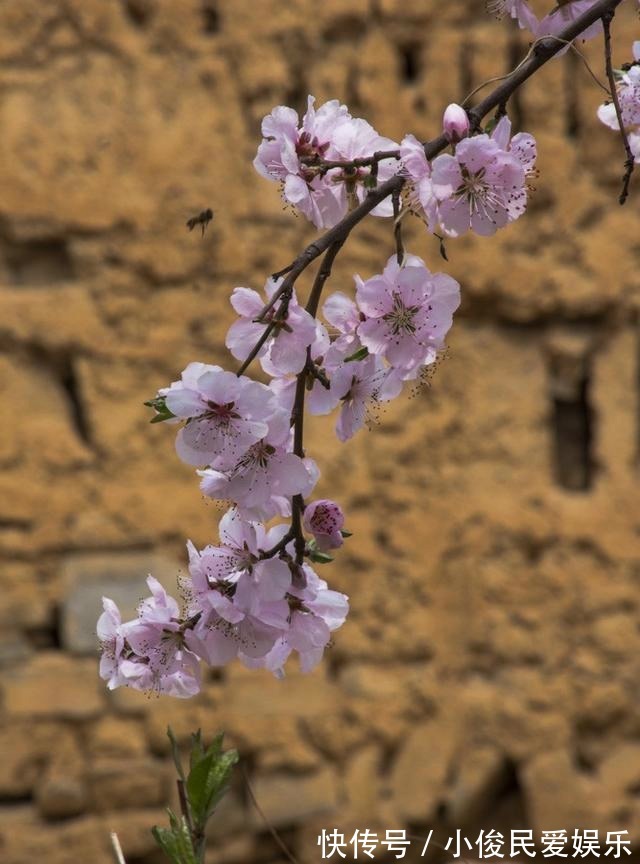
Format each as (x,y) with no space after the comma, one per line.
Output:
(201,219)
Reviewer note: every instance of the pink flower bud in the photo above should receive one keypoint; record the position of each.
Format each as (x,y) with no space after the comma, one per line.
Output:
(455,123)
(324,519)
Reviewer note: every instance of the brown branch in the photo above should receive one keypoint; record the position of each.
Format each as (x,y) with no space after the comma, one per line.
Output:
(629,164)
(297,414)
(325,165)
(397,227)
(322,275)
(251,356)
(297,421)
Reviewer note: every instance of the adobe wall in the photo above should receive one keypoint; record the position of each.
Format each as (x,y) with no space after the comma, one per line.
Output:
(488,673)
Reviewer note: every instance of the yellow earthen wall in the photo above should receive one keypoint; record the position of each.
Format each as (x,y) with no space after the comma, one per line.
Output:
(488,674)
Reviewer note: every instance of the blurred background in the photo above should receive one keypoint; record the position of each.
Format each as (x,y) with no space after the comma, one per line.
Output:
(488,674)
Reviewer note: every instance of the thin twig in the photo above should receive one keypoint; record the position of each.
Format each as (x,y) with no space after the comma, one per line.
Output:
(297,413)
(397,227)
(324,271)
(279,547)
(117,848)
(532,48)
(325,165)
(629,162)
(280,273)
(251,356)
(270,827)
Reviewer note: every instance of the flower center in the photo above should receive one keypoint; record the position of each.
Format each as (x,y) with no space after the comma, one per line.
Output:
(224,414)
(400,319)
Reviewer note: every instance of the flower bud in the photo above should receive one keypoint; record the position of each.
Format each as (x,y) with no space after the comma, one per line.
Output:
(324,519)
(455,123)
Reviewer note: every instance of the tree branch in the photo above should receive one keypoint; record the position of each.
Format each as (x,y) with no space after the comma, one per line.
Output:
(332,241)
(629,162)
(543,51)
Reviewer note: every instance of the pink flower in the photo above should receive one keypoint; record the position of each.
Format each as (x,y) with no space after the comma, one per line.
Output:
(262,481)
(628,89)
(560,17)
(409,311)
(181,680)
(238,597)
(357,384)
(421,196)
(523,145)
(324,519)
(455,123)
(158,659)
(225,414)
(518,9)
(481,187)
(315,612)
(111,638)
(288,151)
(285,352)
(285,143)
(354,140)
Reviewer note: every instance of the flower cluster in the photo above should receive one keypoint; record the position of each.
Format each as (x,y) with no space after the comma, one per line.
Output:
(255,596)
(482,186)
(628,90)
(237,603)
(294,153)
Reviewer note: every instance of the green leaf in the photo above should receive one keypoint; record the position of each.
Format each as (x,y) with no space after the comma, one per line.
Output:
(218,784)
(175,841)
(360,354)
(196,787)
(208,778)
(167,842)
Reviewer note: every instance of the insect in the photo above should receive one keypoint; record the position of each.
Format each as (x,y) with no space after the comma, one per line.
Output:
(202,219)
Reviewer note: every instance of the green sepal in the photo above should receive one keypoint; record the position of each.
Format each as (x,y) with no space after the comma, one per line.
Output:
(159,405)
(370,182)
(491,124)
(346,534)
(319,557)
(360,354)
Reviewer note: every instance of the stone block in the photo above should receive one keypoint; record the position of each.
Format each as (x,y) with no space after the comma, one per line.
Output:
(61,797)
(289,799)
(480,772)
(118,575)
(557,794)
(116,736)
(118,784)
(53,685)
(420,770)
